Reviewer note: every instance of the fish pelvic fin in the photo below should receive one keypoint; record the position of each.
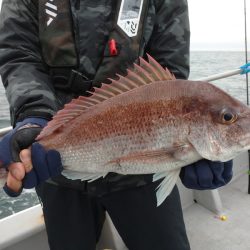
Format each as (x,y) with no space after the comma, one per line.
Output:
(167,185)
(75,175)
(141,74)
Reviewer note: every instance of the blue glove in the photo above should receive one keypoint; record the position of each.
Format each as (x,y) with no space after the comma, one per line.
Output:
(21,137)
(46,164)
(205,174)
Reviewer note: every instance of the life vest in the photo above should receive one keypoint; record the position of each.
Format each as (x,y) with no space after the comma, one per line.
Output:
(57,37)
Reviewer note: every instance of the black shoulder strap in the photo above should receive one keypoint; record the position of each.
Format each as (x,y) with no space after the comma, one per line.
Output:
(56,33)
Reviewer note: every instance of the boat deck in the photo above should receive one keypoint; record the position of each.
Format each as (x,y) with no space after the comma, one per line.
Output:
(206,231)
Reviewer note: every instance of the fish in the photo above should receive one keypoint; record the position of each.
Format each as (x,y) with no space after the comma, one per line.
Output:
(147,122)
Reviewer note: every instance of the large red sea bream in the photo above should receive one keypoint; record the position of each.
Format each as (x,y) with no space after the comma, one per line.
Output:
(147,122)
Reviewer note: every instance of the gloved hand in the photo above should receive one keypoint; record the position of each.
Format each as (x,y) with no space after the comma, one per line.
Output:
(46,164)
(205,174)
(21,137)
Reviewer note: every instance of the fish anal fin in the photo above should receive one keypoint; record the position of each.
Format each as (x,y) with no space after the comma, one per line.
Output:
(75,175)
(167,184)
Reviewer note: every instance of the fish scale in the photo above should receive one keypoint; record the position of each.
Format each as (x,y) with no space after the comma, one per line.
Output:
(117,125)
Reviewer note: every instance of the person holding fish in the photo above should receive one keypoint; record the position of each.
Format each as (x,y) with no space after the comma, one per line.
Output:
(107,149)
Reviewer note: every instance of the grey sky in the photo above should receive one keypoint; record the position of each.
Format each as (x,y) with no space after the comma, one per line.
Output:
(218,24)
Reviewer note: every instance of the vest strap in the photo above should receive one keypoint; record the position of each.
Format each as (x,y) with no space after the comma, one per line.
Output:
(71,80)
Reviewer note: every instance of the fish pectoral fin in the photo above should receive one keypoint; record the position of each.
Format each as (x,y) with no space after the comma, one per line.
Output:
(153,156)
(167,185)
(75,175)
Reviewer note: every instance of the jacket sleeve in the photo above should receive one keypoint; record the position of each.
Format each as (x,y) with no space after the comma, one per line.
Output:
(170,39)
(25,77)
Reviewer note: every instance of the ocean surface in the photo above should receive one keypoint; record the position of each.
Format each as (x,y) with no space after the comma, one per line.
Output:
(203,63)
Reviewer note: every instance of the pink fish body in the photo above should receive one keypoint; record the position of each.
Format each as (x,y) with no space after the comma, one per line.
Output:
(147,122)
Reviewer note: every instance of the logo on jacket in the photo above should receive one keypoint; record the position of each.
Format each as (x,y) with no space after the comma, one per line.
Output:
(129,16)
(51,11)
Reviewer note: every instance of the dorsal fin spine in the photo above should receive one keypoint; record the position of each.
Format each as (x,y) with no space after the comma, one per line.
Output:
(91,101)
(143,72)
(79,105)
(137,78)
(102,90)
(120,84)
(96,97)
(128,81)
(109,87)
(149,68)
(99,95)
(84,103)
(160,71)
(114,85)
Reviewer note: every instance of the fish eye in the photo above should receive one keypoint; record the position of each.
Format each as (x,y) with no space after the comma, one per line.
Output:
(228,117)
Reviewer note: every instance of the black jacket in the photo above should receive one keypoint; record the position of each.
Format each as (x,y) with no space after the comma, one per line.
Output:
(26,76)
(26,54)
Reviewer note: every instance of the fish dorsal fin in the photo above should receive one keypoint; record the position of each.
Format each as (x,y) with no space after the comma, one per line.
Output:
(139,75)
(155,70)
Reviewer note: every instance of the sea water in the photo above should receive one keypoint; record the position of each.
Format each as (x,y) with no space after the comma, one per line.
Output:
(203,64)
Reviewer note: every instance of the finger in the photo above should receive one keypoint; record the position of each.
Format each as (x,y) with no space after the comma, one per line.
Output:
(204,174)
(17,170)
(25,156)
(39,160)
(30,180)
(217,169)
(189,177)
(13,184)
(228,171)
(54,163)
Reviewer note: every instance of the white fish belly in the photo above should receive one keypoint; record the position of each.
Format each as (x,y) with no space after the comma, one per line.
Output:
(104,156)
